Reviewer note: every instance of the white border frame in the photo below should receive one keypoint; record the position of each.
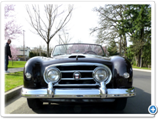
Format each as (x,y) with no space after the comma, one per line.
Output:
(153,74)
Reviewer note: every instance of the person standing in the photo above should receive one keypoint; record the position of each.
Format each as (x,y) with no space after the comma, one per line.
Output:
(7,53)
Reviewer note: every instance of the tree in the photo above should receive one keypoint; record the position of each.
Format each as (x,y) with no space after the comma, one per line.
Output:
(130,55)
(49,27)
(39,51)
(139,28)
(119,22)
(14,52)
(112,49)
(110,26)
(31,54)
(64,38)
(12,29)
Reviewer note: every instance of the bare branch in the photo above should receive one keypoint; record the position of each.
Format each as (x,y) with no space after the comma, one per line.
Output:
(65,21)
(45,26)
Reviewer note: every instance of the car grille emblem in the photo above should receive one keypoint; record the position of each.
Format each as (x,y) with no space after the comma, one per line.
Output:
(77,75)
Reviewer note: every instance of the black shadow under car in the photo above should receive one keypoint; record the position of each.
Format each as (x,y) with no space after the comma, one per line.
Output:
(78,72)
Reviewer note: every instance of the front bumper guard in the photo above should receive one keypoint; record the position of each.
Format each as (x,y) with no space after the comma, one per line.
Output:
(102,92)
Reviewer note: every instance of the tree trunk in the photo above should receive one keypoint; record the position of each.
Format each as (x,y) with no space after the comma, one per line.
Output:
(141,58)
(125,45)
(120,46)
(48,49)
(136,60)
(141,50)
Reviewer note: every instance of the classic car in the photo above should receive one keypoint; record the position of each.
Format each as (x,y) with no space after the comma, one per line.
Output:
(78,72)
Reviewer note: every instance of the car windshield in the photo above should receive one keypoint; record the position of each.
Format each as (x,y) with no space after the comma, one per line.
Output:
(78,48)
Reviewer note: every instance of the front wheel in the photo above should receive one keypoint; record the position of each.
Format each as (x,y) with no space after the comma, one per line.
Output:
(34,103)
(119,104)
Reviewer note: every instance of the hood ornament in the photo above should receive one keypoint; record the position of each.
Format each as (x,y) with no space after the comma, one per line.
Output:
(76,57)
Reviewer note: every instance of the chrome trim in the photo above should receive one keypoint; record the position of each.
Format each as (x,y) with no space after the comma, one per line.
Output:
(78,93)
(103,90)
(50,88)
(121,93)
(73,78)
(49,69)
(77,64)
(35,93)
(57,100)
(107,79)
(77,85)
(71,71)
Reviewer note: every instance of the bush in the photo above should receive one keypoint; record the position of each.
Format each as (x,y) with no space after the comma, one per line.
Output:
(33,54)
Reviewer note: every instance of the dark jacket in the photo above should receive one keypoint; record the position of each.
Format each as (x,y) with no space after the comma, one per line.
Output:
(7,50)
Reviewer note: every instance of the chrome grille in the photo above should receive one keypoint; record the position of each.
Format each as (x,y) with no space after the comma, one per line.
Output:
(85,75)
(85,69)
(67,72)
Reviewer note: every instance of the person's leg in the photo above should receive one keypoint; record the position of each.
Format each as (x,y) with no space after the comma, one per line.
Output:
(6,63)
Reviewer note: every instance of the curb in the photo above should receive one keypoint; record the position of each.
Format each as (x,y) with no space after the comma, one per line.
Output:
(9,95)
(142,70)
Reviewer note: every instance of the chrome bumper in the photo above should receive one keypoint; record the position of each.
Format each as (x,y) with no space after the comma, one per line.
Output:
(102,92)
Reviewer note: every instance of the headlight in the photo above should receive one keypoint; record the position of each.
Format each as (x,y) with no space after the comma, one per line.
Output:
(28,75)
(126,75)
(101,74)
(52,75)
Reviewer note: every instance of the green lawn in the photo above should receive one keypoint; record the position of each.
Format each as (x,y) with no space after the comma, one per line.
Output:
(13,80)
(141,68)
(16,64)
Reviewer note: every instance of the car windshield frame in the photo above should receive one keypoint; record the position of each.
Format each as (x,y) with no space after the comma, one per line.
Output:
(78,44)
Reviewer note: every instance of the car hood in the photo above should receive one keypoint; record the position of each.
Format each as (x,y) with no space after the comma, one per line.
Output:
(78,56)
(74,58)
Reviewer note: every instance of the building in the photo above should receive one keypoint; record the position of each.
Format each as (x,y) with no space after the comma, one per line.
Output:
(21,53)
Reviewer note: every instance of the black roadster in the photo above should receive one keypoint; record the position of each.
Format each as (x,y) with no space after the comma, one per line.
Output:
(78,73)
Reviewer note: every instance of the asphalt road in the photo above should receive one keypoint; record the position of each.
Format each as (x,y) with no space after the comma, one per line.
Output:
(135,105)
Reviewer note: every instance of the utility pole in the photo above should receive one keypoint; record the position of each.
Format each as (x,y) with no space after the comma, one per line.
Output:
(24,45)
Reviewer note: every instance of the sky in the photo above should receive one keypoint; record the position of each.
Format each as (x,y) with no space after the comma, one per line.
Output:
(83,18)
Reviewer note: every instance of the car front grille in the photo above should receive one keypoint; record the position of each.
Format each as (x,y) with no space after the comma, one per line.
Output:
(85,71)
(67,79)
